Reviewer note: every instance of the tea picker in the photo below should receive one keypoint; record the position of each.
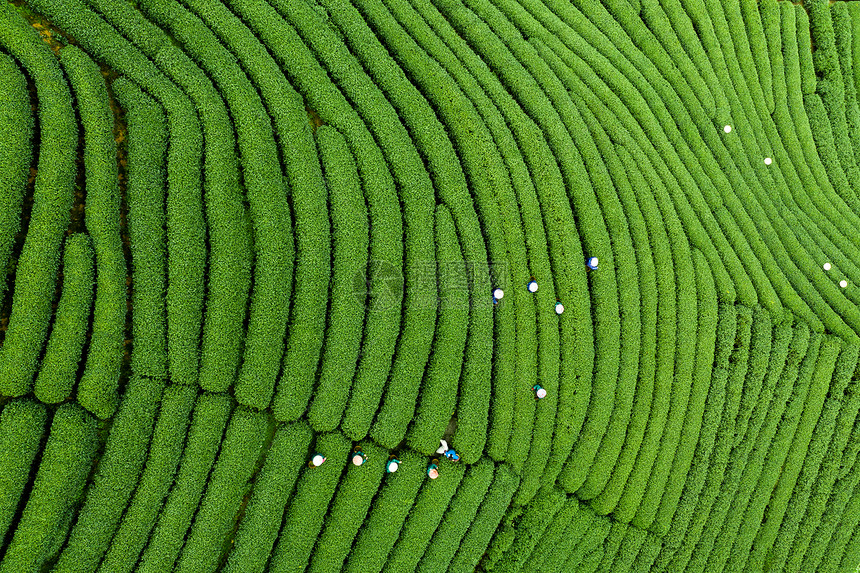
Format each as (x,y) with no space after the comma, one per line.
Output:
(446,451)
(392,465)
(433,469)
(316,461)
(358,457)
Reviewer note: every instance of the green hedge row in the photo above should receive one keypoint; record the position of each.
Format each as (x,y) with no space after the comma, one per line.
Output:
(286,108)
(416,195)
(309,504)
(22,425)
(482,167)
(347,512)
(16,121)
(819,383)
(779,556)
(98,387)
(37,265)
(273,488)
(312,81)
(747,462)
(63,471)
(484,519)
(423,519)
(185,225)
(227,219)
(522,224)
(755,479)
(438,398)
(165,450)
(115,478)
(718,458)
(146,150)
(812,522)
(683,512)
(268,210)
(59,368)
(590,547)
(211,413)
(537,104)
(229,481)
(555,545)
(468,512)
(389,509)
(530,527)
(350,237)
(722,501)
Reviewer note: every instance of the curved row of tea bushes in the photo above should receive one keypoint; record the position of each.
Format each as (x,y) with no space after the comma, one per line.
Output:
(273,488)
(485,519)
(813,519)
(383,524)
(59,368)
(438,398)
(347,512)
(786,540)
(237,461)
(295,142)
(63,470)
(506,391)
(146,150)
(309,504)
(538,159)
(557,541)
(531,526)
(162,459)
(98,388)
(746,463)
(38,263)
(756,470)
(704,360)
(535,102)
(311,80)
(350,236)
(423,520)
(268,208)
(415,185)
(416,196)
(22,425)
(228,233)
(16,122)
(210,417)
(722,441)
(184,212)
(463,512)
(683,512)
(115,478)
(487,177)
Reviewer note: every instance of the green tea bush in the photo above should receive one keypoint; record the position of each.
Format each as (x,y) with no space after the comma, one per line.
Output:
(59,369)
(228,482)
(16,121)
(309,504)
(162,459)
(63,470)
(98,388)
(211,413)
(116,476)
(22,424)
(145,193)
(37,266)
(350,236)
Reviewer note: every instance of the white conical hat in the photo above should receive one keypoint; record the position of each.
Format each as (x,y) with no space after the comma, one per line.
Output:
(318,460)
(541,392)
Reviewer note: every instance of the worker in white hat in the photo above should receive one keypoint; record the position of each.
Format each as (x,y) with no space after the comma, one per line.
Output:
(392,465)
(592,263)
(433,469)
(316,461)
(540,391)
(358,457)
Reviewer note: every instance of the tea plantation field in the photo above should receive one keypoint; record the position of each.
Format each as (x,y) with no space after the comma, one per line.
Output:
(398,286)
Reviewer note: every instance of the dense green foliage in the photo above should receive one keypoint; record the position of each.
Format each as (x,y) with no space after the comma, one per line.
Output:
(296,230)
